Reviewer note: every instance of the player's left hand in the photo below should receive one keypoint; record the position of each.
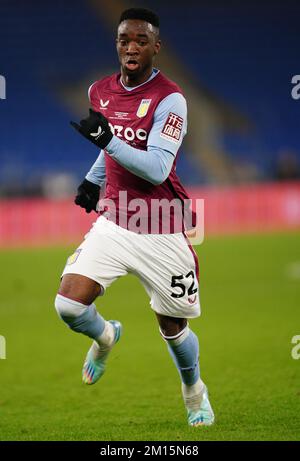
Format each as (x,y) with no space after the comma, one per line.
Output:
(95,128)
(87,195)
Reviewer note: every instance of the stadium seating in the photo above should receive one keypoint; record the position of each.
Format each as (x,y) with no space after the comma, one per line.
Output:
(46,46)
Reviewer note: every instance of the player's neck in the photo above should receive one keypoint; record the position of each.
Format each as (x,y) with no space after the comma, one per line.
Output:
(135,80)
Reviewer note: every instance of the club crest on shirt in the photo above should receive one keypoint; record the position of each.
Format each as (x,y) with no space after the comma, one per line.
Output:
(73,258)
(143,107)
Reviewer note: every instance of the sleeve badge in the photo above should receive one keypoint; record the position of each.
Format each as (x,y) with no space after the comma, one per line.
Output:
(172,128)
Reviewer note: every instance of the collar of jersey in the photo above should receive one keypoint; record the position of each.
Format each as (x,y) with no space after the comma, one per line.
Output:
(155,72)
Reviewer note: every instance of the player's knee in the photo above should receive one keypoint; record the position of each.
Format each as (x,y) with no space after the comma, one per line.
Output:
(170,335)
(171,326)
(79,287)
(68,309)
(80,317)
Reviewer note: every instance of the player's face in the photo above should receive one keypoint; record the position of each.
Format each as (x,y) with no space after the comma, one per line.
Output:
(137,45)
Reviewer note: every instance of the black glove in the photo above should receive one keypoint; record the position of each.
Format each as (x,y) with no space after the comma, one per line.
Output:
(87,196)
(95,128)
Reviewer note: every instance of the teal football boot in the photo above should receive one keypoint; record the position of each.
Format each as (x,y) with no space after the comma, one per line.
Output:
(93,368)
(204,416)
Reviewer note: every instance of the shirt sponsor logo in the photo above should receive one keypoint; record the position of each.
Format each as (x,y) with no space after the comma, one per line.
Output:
(172,128)
(143,108)
(128,133)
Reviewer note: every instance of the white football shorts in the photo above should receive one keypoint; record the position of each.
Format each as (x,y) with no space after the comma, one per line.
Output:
(166,265)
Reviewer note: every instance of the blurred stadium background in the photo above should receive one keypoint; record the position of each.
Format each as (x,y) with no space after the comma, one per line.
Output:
(235,61)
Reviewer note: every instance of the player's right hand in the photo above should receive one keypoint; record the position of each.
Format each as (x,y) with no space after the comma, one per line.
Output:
(95,128)
(87,196)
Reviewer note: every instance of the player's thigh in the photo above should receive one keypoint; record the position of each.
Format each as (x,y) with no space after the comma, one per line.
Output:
(170,276)
(100,257)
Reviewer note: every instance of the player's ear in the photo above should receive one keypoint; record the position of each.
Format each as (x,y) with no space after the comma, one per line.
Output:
(117,45)
(157,46)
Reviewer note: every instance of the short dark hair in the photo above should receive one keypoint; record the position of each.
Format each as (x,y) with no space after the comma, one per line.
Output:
(142,14)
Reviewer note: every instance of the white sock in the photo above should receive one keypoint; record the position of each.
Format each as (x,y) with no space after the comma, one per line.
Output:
(192,395)
(106,339)
(104,342)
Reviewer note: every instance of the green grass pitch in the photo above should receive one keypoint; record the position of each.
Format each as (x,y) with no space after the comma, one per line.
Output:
(250,296)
